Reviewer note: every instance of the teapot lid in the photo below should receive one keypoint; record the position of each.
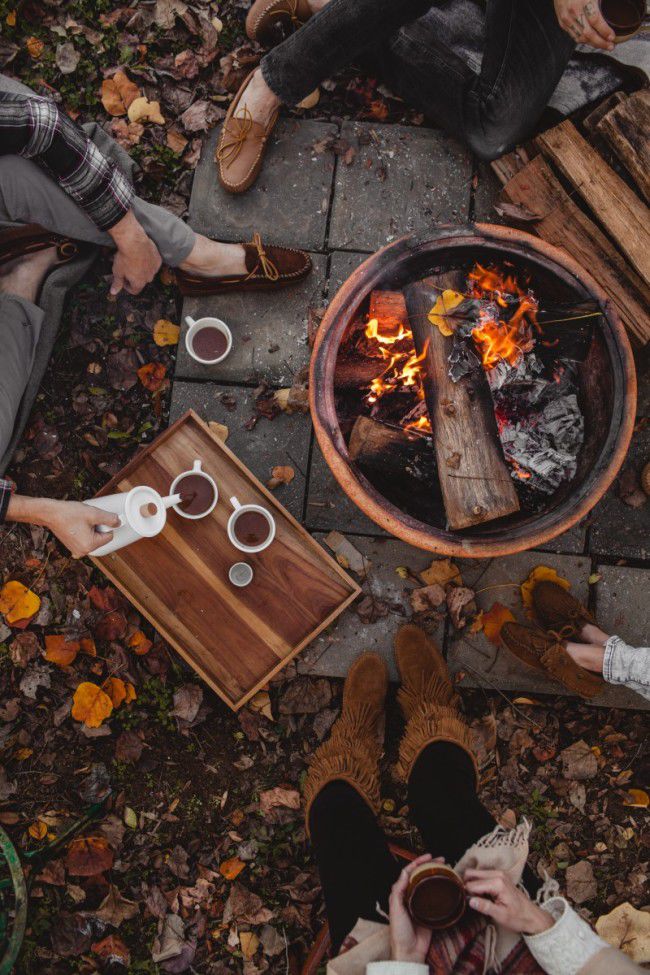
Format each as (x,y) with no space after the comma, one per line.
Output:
(149,522)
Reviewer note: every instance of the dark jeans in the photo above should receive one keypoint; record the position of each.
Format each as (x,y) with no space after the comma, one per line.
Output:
(356,867)
(525,52)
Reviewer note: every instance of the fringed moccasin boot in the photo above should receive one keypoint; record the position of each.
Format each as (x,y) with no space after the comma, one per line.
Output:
(427,699)
(353,750)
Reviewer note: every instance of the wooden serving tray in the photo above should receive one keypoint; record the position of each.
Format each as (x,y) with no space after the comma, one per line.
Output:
(235,639)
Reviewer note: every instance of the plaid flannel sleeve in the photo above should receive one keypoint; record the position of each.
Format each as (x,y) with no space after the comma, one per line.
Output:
(6,490)
(37,129)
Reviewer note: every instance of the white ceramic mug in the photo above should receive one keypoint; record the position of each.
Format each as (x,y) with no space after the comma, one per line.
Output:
(196,326)
(240,509)
(196,469)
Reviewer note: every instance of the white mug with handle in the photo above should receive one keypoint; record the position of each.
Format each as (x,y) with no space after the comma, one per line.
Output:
(239,511)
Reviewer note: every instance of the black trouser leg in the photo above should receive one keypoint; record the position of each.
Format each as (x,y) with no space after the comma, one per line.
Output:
(357,870)
(331,40)
(445,806)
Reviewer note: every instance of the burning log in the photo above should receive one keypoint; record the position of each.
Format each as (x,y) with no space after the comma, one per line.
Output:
(474,479)
(400,464)
(355,372)
(389,308)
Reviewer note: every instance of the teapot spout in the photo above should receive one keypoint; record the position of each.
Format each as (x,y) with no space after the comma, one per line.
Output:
(171,500)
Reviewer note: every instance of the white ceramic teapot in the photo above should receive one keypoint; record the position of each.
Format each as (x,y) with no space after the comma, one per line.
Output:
(142,512)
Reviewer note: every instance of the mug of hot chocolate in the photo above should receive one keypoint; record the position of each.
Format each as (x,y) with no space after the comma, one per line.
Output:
(625,17)
(198,491)
(435,896)
(251,528)
(208,340)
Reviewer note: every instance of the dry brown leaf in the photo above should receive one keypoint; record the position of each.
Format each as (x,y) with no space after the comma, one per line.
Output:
(88,855)
(118,93)
(581,884)
(628,929)
(441,571)
(176,141)
(280,475)
(249,943)
(115,909)
(426,599)
(458,597)
(285,798)
(142,110)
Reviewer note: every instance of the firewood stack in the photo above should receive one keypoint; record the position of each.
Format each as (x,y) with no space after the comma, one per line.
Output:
(608,232)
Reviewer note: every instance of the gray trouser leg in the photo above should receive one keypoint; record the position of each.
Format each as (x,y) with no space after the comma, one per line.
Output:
(29,195)
(20,326)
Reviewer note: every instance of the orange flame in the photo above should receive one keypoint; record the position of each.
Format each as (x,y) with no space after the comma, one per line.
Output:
(495,338)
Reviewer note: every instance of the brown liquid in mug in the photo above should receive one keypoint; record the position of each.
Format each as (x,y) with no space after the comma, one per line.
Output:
(209,343)
(435,899)
(251,528)
(623,16)
(197,494)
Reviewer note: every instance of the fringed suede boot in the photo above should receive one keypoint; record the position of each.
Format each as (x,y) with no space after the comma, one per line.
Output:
(353,750)
(427,699)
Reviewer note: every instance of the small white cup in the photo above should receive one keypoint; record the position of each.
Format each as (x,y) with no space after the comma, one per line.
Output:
(240,574)
(195,326)
(239,510)
(196,469)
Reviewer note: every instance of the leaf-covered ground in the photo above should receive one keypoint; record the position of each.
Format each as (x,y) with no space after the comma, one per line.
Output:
(197,858)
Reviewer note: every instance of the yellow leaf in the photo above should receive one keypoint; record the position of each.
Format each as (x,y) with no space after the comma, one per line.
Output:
(139,643)
(142,110)
(637,798)
(118,93)
(91,704)
(527,700)
(402,572)
(11,18)
(38,830)
(311,100)
(445,304)
(249,944)
(231,868)
(17,602)
(165,332)
(35,47)
(541,573)
(441,571)
(261,704)
(494,619)
(219,429)
(22,754)
(59,651)
(628,929)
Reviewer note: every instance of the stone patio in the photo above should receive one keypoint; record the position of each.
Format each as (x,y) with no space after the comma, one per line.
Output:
(401,179)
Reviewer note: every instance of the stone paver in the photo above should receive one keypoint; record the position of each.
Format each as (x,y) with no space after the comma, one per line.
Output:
(328,506)
(623,601)
(617,530)
(289,202)
(571,542)
(342,264)
(484,665)
(332,653)
(281,441)
(486,194)
(269,331)
(403,179)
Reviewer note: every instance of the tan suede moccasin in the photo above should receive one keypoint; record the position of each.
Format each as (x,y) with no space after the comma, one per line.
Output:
(269,21)
(242,144)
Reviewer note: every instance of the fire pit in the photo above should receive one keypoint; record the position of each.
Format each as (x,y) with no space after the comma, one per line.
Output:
(462,429)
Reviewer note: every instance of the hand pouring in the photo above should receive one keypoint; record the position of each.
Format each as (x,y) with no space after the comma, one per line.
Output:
(142,513)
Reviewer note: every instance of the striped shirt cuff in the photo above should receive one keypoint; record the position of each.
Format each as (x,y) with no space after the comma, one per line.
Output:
(6,490)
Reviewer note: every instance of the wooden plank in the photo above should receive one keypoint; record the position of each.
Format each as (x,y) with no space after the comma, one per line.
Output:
(590,121)
(474,478)
(620,211)
(235,639)
(564,224)
(389,308)
(509,165)
(626,129)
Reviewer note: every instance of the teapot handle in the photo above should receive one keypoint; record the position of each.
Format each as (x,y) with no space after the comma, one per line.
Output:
(105,529)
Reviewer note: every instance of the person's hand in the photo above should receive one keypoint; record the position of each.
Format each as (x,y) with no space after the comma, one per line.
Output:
(505,903)
(137,259)
(75,524)
(408,941)
(583,21)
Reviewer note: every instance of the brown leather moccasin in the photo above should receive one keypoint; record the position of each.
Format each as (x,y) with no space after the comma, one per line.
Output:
(267,269)
(17,242)
(242,144)
(558,610)
(545,653)
(270,21)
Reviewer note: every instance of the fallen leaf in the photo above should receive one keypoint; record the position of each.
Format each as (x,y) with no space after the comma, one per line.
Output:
(115,909)
(245,907)
(128,747)
(346,554)
(91,704)
(628,929)
(305,695)
(18,603)
(260,703)
(637,798)
(311,100)
(35,47)
(458,597)
(220,430)
(118,93)
(230,869)
(249,943)
(67,58)
(175,140)
(187,701)
(142,110)
(279,797)
(280,475)
(152,375)
(38,830)
(540,573)
(441,571)
(139,643)
(165,332)
(88,855)
(581,884)
(445,304)
(24,648)
(427,598)
(493,620)
(112,951)
(59,651)
(112,626)
(578,761)
(118,690)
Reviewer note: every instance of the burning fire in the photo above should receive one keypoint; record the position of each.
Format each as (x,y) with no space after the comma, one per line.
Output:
(402,369)
(498,339)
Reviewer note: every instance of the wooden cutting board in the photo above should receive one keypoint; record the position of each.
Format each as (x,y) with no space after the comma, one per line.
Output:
(235,639)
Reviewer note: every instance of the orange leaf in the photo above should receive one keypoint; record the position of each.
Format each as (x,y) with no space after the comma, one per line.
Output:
(91,704)
(493,620)
(59,651)
(637,798)
(540,573)
(35,47)
(165,332)
(87,645)
(18,603)
(88,855)
(112,948)
(38,830)
(119,690)
(117,93)
(139,643)
(231,868)
(152,375)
